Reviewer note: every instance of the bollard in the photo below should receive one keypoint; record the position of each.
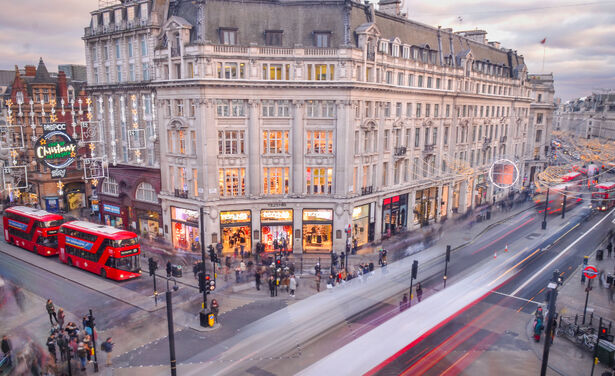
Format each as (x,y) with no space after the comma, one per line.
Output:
(576,318)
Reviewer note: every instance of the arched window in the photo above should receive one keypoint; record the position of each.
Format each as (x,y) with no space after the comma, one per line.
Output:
(110,186)
(147,193)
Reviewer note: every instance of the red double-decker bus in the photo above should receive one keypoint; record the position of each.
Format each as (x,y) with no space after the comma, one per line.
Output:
(604,199)
(32,229)
(104,250)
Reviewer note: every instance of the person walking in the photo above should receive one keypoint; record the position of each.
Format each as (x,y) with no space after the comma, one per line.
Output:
(609,248)
(317,279)
(404,303)
(292,285)
(419,292)
(6,348)
(51,310)
(51,346)
(272,286)
(81,353)
(87,341)
(195,269)
(61,317)
(62,343)
(107,347)
(257,279)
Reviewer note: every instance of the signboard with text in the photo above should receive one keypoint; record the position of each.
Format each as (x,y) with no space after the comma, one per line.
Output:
(56,149)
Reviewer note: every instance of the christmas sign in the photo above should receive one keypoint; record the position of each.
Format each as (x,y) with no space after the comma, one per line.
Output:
(56,149)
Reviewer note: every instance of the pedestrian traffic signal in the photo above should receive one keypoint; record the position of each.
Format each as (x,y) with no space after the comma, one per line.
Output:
(153,265)
(415,268)
(603,333)
(212,253)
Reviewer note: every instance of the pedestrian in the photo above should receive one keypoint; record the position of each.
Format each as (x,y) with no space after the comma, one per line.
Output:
(330,281)
(609,249)
(257,279)
(237,274)
(272,286)
(354,246)
(169,266)
(61,317)
(107,347)
(51,346)
(195,269)
(19,297)
(404,303)
(6,348)
(81,353)
(317,280)
(84,322)
(292,285)
(62,344)
(419,291)
(538,327)
(51,310)
(215,309)
(87,342)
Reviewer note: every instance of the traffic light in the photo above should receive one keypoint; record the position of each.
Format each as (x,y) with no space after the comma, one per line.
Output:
(153,265)
(448,253)
(206,283)
(334,258)
(415,269)
(212,253)
(278,261)
(202,286)
(212,285)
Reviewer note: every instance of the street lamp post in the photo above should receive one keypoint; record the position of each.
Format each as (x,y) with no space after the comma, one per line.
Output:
(544,221)
(169,298)
(203,256)
(550,318)
(564,204)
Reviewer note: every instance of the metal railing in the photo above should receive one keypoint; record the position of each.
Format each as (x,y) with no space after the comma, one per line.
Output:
(429,148)
(400,151)
(367,190)
(181,193)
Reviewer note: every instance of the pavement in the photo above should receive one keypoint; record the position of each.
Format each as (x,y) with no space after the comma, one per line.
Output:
(235,297)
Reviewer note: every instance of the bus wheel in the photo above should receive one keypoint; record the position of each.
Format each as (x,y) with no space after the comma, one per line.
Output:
(70,262)
(103,273)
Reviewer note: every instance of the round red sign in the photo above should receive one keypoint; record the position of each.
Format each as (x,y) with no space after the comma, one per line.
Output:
(590,271)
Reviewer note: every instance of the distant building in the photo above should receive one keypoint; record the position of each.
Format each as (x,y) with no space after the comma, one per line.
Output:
(540,125)
(588,117)
(74,72)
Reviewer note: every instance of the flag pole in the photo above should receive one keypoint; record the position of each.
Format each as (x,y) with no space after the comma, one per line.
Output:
(544,49)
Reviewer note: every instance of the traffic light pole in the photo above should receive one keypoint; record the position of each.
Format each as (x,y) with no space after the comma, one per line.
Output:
(92,325)
(544,221)
(595,357)
(550,318)
(155,290)
(447,258)
(169,297)
(564,204)
(203,254)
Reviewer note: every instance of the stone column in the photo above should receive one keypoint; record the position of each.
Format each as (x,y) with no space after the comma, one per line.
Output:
(207,137)
(253,149)
(297,140)
(344,149)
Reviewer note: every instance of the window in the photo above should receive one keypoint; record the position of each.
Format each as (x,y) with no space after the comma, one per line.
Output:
(190,70)
(276,72)
(438,83)
(410,80)
(106,51)
(273,37)
(427,109)
(319,180)
(445,141)
(119,73)
(400,79)
(193,142)
(275,180)
(96,80)
(420,83)
(275,142)
(110,186)
(322,38)
(448,110)
(118,51)
(276,108)
(387,110)
(143,45)
(130,49)
(231,142)
(195,182)
(323,109)
(436,110)
(319,142)
(320,72)
(181,137)
(539,118)
(94,54)
(145,69)
(417,137)
(228,36)
(435,136)
(147,193)
(398,109)
(538,136)
(179,107)
(131,72)
(449,85)
(385,173)
(231,70)
(539,98)
(408,109)
(418,110)
(429,82)
(389,77)
(230,107)
(232,182)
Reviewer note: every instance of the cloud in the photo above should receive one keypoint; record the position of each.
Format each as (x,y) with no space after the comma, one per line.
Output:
(580,49)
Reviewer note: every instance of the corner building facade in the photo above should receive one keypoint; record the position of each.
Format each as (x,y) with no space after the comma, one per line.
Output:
(322,125)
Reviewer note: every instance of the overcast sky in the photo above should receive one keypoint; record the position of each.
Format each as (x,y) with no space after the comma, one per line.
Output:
(580,47)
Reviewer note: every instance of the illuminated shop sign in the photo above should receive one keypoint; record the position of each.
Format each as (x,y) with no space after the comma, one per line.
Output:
(318,215)
(360,211)
(285,215)
(111,209)
(235,217)
(56,148)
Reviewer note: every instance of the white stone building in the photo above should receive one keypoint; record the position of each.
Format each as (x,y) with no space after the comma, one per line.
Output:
(323,123)
(540,125)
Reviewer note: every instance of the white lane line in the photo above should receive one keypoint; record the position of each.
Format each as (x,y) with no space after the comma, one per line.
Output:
(561,254)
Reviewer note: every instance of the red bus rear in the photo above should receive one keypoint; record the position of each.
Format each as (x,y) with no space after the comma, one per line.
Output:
(32,229)
(604,198)
(103,250)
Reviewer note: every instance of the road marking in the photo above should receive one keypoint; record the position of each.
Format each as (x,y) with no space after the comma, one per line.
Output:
(561,254)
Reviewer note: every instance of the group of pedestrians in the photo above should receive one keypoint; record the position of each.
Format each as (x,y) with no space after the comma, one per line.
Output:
(405,303)
(73,341)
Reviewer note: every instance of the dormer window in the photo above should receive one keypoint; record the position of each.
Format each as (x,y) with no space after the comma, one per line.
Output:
(19,97)
(273,37)
(228,36)
(395,51)
(322,39)
(384,47)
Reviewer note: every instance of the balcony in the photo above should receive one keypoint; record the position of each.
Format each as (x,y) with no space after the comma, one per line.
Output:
(429,149)
(181,193)
(367,190)
(399,151)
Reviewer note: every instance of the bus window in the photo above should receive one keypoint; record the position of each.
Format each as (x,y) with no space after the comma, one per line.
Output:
(125,242)
(49,224)
(129,264)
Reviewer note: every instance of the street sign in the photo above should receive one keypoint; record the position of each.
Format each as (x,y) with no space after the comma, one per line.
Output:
(590,271)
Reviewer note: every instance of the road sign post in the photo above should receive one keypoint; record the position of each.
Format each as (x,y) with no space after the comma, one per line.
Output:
(590,272)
